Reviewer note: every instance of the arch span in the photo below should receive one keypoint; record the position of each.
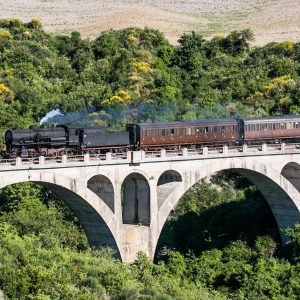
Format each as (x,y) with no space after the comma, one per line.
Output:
(104,189)
(166,183)
(136,200)
(282,197)
(93,213)
(291,172)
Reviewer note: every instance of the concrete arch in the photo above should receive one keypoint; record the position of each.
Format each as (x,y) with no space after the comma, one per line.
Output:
(166,183)
(93,214)
(104,189)
(136,199)
(282,197)
(291,171)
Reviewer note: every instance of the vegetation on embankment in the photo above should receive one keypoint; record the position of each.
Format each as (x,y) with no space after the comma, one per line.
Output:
(223,234)
(136,75)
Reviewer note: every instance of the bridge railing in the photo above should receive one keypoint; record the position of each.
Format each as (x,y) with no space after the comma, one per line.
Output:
(164,154)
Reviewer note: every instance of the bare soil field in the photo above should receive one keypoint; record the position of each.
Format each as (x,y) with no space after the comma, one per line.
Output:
(271,20)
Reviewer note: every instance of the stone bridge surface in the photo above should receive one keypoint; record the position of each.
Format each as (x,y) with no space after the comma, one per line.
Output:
(124,200)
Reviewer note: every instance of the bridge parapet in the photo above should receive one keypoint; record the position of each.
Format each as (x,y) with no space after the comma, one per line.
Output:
(138,157)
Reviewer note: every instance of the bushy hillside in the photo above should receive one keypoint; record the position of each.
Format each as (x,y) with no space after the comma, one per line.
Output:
(137,75)
(221,241)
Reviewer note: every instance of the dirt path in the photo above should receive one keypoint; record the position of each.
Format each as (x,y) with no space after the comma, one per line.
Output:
(271,20)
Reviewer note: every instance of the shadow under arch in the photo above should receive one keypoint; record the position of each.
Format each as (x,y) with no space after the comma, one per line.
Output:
(95,227)
(104,189)
(291,172)
(278,192)
(136,200)
(166,183)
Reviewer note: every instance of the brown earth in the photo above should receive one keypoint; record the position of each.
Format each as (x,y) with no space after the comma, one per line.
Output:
(271,20)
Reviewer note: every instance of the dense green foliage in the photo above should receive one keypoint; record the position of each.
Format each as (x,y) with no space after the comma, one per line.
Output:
(135,74)
(221,241)
(44,254)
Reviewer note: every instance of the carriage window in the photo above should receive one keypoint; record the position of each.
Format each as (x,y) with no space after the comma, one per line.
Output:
(206,130)
(163,132)
(172,131)
(189,131)
(197,130)
(283,126)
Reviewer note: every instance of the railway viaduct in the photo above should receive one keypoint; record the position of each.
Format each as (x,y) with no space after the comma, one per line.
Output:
(123,201)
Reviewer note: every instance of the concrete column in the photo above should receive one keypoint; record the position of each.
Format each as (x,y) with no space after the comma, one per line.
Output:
(163,153)
(225,149)
(108,156)
(205,151)
(185,152)
(264,147)
(18,161)
(86,158)
(129,154)
(138,157)
(118,200)
(64,159)
(41,160)
(136,238)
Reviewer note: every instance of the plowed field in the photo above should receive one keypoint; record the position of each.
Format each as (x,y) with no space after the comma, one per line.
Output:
(271,20)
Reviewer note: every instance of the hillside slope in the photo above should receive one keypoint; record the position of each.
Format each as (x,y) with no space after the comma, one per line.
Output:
(271,20)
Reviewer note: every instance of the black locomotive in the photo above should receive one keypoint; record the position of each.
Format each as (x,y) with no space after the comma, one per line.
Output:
(75,139)
(63,139)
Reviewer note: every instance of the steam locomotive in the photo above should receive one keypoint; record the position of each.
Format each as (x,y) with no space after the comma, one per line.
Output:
(76,139)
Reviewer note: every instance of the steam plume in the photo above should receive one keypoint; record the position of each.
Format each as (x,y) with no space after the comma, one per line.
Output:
(50,116)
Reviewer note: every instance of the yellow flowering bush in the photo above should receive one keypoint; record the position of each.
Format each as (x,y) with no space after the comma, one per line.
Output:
(15,22)
(9,72)
(120,98)
(36,23)
(288,44)
(142,66)
(5,93)
(5,34)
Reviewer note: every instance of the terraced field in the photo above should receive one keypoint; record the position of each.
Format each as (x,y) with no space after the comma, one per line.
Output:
(271,20)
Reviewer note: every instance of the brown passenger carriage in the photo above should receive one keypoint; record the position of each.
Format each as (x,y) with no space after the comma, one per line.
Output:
(272,129)
(177,134)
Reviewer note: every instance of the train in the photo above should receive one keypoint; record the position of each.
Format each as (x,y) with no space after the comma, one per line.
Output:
(76,139)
